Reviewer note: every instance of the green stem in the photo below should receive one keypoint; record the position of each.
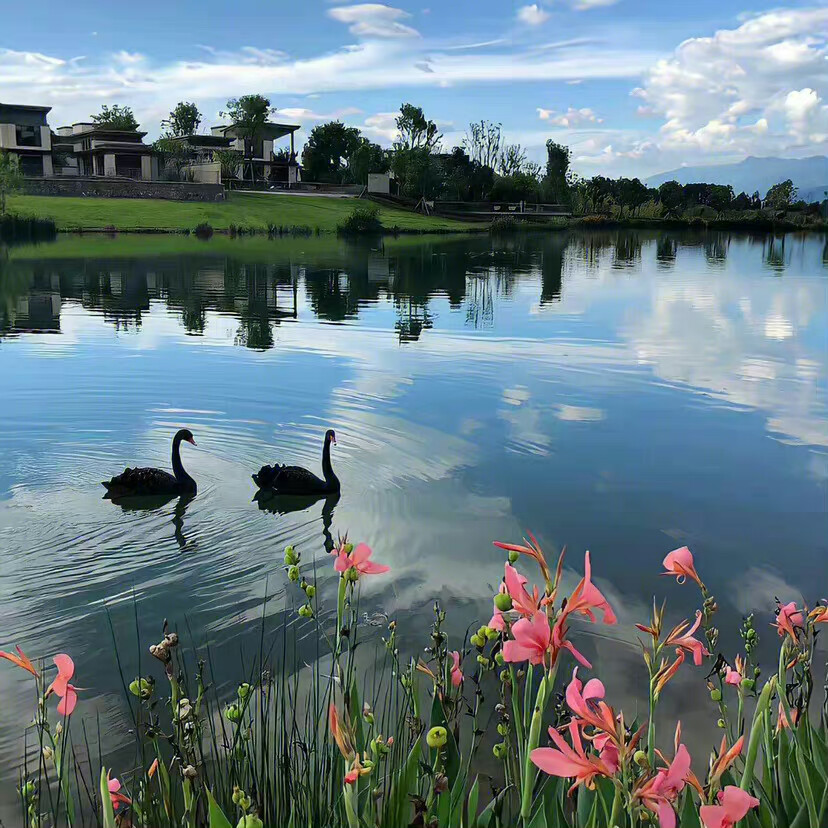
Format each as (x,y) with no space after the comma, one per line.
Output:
(529,771)
(350,806)
(756,730)
(651,727)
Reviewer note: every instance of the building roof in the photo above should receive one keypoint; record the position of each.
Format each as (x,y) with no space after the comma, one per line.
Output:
(102,129)
(26,107)
(203,140)
(271,130)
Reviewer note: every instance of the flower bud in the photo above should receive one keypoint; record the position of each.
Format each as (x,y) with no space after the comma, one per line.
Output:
(348,548)
(437,737)
(716,694)
(491,634)
(141,688)
(237,794)
(293,573)
(505,676)
(640,759)
(28,790)
(477,641)
(48,753)
(502,729)
(189,772)
(503,601)
(483,662)
(513,556)
(352,574)
(721,724)
(499,659)
(310,590)
(291,556)
(232,713)
(748,684)
(499,750)
(250,821)
(244,690)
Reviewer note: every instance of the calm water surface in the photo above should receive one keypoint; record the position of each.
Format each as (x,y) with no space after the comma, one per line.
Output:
(624,392)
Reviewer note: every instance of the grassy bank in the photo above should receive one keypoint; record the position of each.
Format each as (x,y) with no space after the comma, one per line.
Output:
(248,210)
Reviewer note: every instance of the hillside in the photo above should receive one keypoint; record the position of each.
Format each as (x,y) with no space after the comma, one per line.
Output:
(807,174)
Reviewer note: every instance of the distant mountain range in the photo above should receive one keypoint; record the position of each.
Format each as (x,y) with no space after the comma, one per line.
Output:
(809,175)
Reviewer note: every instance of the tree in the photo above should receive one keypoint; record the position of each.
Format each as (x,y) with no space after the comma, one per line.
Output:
(781,196)
(721,197)
(249,114)
(555,182)
(327,151)
(116,117)
(175,155)
(183,120)
(630,192)
(229,161)
(11,179)
(483,143)
(415,130)
(742,202)
(366,157)
(671,196)
(512,160)
(465,179)
(517,187)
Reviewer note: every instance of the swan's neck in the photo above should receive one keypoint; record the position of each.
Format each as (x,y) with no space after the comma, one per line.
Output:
(327,469)
(178,467)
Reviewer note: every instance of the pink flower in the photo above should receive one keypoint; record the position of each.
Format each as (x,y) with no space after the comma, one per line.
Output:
(566,761)
(358,560)
(582,702)
(586,597)
(456,672)
(496,622)
(608,751)
(735,676)
(61,686)
(680,563)
(682,638)
(351,777)
(114,786)
(522,601)
(788,619)
(819,615)
(734,805)
(662,789)
(532,637)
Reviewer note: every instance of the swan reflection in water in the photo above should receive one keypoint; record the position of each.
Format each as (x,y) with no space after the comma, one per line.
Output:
(281,504)
(153,503)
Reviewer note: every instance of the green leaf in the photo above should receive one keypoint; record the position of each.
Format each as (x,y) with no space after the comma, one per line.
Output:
(689,815)
(539,819)
(405,783)
(217,817)
(451,754)
(586,800)
(355,712)
(471,807)
(106,801)
(486,815)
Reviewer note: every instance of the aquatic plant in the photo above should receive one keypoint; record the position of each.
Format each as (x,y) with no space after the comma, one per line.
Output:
(337,744)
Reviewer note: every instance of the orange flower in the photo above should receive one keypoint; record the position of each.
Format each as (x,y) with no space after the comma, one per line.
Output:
(341,734)
(680,563)
(152,768)
(726,758)
(21,660)
(819,615)
(532,550)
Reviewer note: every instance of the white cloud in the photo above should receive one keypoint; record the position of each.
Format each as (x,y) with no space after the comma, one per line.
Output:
(585,5)
(370,20)
(532,15)
(302,114)
(571,118)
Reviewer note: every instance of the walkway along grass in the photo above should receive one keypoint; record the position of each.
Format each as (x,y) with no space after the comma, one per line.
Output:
(362,737)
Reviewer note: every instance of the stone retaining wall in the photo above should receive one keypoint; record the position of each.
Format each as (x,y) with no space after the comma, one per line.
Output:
(123,188)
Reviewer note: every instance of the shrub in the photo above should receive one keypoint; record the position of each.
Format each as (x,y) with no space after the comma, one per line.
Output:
(203,230)
(364,218)
(15,227)
(506,224)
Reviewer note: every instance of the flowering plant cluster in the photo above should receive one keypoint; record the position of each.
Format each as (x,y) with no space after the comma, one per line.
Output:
(298,745)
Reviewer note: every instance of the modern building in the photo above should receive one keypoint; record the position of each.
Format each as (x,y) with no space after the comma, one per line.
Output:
(25,133)
(203,165)
(276,167)
(90,149)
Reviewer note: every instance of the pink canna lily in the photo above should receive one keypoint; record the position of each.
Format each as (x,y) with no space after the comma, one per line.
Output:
(526,604)
(819,615)
(358,559)
(456,672)
(532,637)
(60,686)
(560,642)
(586,703)
(570,762)
(586,597)
(682,638)
(680,563)
(114,786)
(788,619)
(660,791)
(608,751)
(735,675)
(734,803)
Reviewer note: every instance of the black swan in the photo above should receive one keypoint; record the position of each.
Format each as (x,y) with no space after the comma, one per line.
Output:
(294,480)
(143,482)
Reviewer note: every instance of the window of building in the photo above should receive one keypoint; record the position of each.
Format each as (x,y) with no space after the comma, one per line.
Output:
(31,165)
(28,136)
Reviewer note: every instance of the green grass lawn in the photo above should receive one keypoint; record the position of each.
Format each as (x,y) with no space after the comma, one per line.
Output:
(255,210)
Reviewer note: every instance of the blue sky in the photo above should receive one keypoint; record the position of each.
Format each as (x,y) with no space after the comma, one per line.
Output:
(633,86)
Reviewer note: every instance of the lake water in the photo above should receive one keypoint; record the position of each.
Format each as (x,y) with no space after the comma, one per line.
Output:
(626,392)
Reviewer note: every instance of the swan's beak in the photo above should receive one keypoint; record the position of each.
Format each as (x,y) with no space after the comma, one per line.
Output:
(192,441)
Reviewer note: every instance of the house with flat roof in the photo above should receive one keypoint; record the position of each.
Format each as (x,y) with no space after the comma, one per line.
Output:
(90,149)
(25,133)
(259,158)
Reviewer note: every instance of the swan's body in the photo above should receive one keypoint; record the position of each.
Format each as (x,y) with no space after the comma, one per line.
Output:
(143,482)
(295,480)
